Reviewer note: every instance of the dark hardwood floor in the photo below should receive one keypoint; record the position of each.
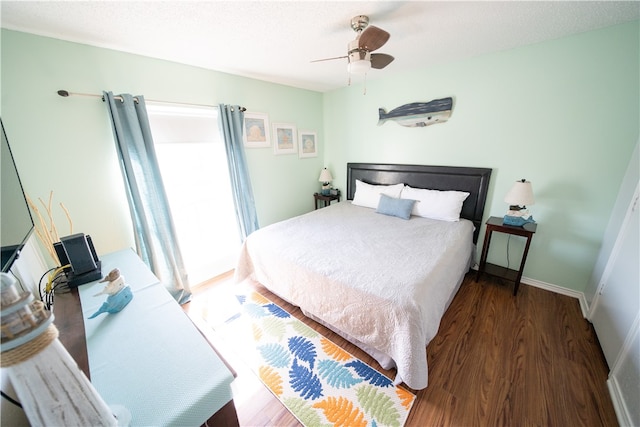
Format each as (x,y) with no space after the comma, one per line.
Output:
(497,360)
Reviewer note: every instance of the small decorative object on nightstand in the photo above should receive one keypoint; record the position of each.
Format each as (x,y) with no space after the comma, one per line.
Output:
(496,224)
(325,178)
(327,199)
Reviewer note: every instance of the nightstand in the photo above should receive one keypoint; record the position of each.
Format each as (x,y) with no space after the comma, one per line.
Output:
(326,199)
(494,223)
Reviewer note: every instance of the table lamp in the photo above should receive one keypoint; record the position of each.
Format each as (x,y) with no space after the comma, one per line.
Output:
(519,196)
(325,178)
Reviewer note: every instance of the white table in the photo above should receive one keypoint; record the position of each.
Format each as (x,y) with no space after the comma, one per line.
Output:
(150,357)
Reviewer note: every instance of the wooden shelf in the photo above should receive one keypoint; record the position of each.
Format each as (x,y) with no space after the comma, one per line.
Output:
(501,272)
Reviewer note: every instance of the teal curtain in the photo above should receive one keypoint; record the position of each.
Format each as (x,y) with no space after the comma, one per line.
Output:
(230,120)
(154,231)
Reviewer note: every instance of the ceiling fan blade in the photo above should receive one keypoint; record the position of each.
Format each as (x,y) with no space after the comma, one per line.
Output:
(380,60)
(372,38)
(329,59)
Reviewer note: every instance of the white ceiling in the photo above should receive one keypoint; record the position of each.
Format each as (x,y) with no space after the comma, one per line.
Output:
(276,40)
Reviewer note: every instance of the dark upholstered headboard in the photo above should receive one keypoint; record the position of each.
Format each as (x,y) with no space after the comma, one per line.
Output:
(472,180)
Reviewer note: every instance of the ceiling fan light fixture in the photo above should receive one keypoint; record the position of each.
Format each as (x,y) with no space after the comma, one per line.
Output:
(359,57)
(359,67)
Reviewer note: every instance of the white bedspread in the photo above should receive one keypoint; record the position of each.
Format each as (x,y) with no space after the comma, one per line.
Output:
(381,280)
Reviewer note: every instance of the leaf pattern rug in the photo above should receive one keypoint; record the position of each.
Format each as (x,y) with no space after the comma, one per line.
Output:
(320,383)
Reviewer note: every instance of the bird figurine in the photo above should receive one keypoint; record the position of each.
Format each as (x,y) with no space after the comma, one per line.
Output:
(114,285)
(119,294)
(113,275)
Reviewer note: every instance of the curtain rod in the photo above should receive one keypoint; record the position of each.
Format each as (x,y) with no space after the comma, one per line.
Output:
(66,93)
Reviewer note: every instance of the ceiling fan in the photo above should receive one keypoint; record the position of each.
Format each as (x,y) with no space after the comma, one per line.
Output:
(369,39)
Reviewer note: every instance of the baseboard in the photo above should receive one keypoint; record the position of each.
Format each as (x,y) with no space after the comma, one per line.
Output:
(582,300)
(624,418)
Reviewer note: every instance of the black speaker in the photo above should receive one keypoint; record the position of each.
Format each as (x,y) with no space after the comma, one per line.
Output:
(78,251)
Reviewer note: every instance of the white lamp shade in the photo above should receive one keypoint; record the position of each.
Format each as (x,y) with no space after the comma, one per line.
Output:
(325,176)
(521,194)
(359,67)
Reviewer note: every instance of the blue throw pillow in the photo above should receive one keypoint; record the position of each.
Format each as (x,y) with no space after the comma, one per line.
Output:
(395,207)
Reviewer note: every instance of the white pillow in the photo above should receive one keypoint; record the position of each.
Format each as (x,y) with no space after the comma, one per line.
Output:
(368,195)
(435,204)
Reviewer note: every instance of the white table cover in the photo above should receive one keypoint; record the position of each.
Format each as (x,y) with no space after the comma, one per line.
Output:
(150,357)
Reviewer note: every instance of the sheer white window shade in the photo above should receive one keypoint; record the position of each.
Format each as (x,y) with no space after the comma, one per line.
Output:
(193,164)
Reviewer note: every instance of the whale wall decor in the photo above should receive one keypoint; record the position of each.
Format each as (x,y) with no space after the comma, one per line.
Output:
(418,114)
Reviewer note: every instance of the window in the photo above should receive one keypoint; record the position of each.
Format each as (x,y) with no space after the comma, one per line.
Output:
(193,164)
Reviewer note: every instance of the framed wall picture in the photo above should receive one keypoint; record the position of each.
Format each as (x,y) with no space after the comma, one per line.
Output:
(308,141)
(256,130)
(285,141)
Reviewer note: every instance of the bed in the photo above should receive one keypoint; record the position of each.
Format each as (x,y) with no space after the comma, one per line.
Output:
(381,281)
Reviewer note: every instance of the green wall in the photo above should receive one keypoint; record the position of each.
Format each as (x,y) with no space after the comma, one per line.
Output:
(66,144)
(563,114)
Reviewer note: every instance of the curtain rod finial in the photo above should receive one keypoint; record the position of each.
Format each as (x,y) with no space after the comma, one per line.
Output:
(63,92)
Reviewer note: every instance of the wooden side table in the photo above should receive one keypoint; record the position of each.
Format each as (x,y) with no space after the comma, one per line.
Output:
(494,223)
(326,199)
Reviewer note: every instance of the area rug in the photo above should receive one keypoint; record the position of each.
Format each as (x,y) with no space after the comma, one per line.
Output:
(320,383)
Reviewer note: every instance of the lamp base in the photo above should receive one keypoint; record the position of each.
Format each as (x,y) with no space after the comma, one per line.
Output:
(517,216)
(517,221)
(521,211)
